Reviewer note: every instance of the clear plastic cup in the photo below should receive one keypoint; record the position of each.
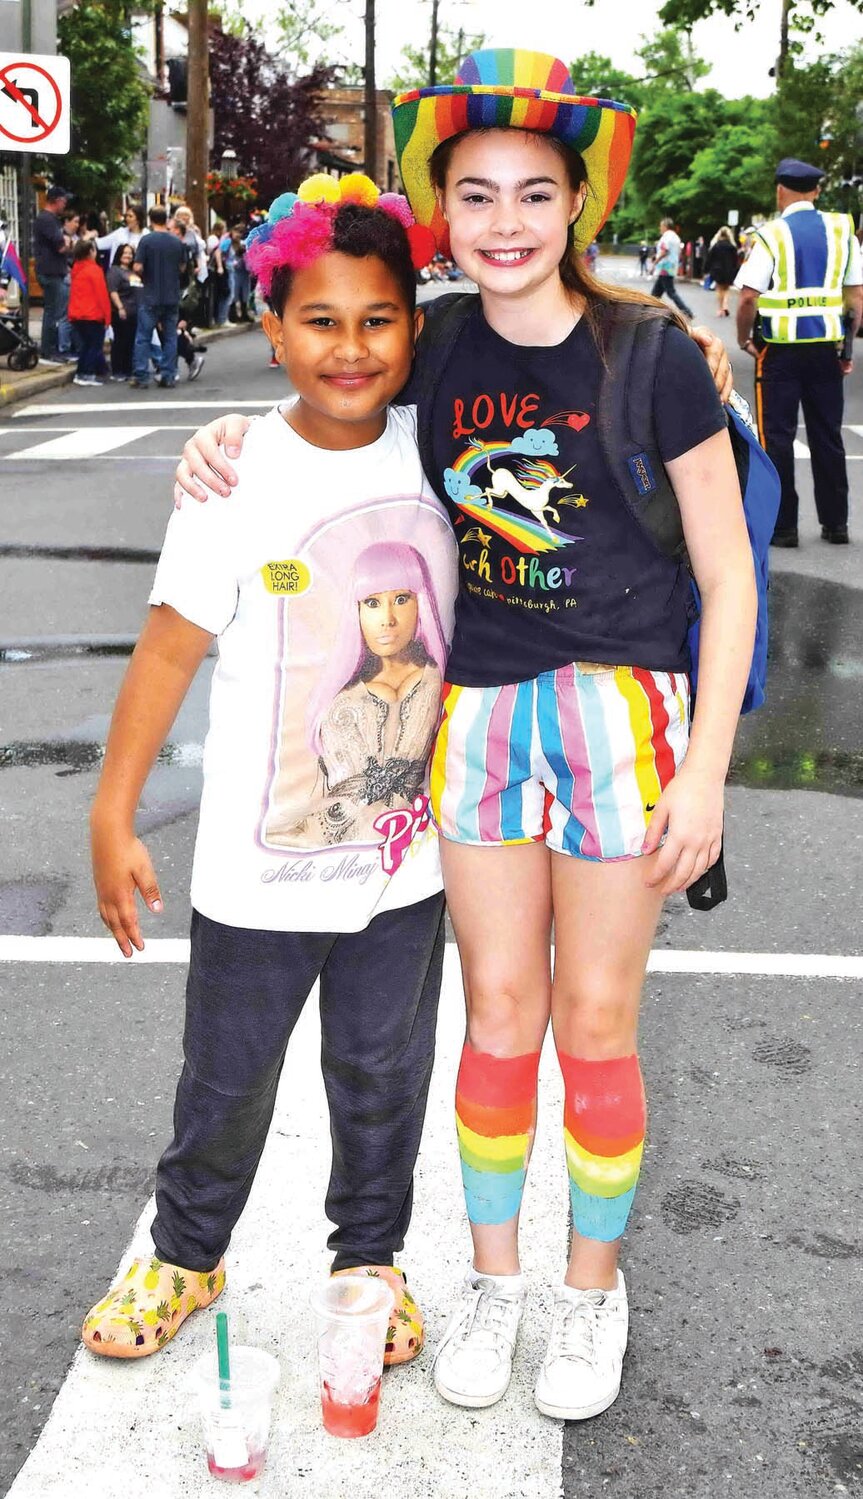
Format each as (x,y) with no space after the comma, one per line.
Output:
(352,1313)
(236,1421)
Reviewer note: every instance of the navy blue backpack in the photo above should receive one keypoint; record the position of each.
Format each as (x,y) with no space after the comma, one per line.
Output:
(625,423)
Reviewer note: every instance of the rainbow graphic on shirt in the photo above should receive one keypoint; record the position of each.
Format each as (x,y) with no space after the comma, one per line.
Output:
(519,470)
(495,1118)
(604,1117)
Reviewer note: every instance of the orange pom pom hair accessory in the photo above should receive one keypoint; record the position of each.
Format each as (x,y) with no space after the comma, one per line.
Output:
(299,228)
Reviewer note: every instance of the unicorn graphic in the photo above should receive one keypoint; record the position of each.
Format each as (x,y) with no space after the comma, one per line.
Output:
(519,469)
(531,485)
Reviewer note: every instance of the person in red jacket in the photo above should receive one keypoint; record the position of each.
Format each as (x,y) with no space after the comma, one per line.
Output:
(89,312)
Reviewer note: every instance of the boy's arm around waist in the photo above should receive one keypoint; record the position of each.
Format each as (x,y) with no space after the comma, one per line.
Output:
(168,654)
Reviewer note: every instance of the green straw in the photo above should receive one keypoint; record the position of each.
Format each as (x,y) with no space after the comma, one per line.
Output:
(224,1358)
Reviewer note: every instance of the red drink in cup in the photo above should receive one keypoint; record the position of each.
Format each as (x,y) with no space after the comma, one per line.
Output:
(352,1313)
(250,1470)
(350,1420)
(236,1414)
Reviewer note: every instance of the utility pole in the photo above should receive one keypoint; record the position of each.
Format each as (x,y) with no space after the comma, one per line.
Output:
(198,114)
(25,182)
(433,47)
(370,122)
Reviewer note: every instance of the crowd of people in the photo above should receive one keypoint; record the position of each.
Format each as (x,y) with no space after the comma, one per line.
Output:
(714,263)
(141,288)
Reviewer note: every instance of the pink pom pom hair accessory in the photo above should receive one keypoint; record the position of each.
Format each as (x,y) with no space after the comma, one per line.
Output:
(299,232)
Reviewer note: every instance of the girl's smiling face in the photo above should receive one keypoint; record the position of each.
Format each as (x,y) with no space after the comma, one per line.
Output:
(346,339)
(509,204)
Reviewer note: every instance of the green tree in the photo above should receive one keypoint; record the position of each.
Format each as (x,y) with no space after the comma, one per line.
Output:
(733,170)
(799,19)
(311,35)
(452,48)
(596,76)
(672,130)
(109,100)
(671,62)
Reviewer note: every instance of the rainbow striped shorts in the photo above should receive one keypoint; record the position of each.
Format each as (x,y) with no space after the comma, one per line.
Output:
(577,757)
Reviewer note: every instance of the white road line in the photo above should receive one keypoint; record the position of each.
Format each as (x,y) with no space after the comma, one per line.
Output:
(157,427)
(70,409)
(122,1429)
(83,442)
(800,449)
(662,960)
(855,429)
(108,457)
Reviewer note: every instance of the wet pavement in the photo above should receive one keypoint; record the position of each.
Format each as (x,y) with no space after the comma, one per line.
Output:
(810,734)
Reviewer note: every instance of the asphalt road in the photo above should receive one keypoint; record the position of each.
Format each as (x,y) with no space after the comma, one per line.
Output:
(745,1256)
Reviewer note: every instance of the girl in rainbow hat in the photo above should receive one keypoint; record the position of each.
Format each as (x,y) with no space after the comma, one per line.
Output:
(571,791)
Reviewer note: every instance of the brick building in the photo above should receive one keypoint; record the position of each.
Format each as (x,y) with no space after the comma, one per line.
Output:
(341,150)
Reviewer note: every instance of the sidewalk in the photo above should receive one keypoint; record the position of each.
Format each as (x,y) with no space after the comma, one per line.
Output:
(21,385)
(124,1429)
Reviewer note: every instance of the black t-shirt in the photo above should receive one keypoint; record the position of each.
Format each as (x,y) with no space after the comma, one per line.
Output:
(48,252)
(162,256)
(119,281)
(552,566)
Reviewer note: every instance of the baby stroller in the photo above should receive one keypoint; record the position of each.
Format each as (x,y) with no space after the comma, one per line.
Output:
(20,350)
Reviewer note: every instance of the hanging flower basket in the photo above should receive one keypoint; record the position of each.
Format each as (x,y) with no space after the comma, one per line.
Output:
(226,192)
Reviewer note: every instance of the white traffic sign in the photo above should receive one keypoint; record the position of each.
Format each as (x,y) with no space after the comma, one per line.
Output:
(34,103)
(733,217)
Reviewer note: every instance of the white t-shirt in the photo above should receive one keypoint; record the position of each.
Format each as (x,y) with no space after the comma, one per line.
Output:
(118,237)
(668,253)
(329,579)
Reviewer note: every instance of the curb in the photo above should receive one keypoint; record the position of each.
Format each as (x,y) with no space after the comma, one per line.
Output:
(28,385)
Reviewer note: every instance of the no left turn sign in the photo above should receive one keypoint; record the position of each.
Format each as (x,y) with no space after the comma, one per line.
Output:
(34,103)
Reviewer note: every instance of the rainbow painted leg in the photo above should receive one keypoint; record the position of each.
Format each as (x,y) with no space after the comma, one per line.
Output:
(604,1117)
(496,1120)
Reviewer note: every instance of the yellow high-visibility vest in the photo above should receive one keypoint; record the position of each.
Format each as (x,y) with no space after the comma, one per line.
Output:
(805,301)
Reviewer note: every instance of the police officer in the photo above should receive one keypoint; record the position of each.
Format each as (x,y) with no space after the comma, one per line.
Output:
(804,280)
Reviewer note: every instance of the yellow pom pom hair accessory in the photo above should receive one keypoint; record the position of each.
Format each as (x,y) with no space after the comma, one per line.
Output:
(356,187)
(300,225)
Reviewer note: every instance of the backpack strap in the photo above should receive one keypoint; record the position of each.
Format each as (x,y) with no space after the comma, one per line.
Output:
(633,337)
(445,318)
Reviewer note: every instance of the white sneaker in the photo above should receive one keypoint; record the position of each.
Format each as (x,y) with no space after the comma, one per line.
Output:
(580,1375)
(473,1364)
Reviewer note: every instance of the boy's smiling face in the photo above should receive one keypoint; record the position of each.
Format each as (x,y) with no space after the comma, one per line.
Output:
(346,339)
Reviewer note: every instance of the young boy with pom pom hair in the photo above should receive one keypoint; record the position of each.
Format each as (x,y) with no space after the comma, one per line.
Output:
(331,491)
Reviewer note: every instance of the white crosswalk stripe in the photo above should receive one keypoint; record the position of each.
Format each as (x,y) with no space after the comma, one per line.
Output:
(98,441)
(80,409)
(83,442)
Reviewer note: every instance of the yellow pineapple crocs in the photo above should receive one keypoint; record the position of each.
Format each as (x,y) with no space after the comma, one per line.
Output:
(144,1310)
(406,1331)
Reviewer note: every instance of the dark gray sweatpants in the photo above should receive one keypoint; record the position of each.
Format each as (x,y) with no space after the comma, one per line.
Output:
(244,994)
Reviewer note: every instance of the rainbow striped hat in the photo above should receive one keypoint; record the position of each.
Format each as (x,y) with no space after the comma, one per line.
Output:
(508,87)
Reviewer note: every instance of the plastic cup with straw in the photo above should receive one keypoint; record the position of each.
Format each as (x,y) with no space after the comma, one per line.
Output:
(235,1393)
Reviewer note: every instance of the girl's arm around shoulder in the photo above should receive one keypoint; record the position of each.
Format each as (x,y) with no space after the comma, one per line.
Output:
(205,468)
(168,654)
(690,810)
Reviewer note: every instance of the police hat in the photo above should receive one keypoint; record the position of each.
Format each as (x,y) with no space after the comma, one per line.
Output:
(799,176)
(55,193)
